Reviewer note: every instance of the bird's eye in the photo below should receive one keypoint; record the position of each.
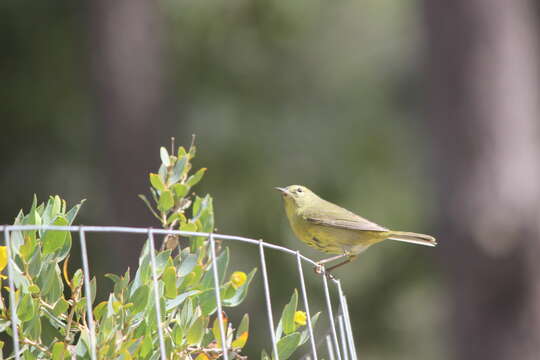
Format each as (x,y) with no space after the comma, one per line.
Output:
(299,190)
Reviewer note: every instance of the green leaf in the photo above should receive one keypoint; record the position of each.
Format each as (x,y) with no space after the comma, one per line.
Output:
(264,355)
(60,307)
(187,265)
(72,213)
(178,334)
(27,249)
(17,241)
(47,216)
(229,291)
(64,251)
(107,328)
(166,200)
(196,208)
(53,239)
(196,332)
(178,216)
(93,290)
(186,314)
(287,317)
(147,344)
(192,148)
(156,182)
(81,349)
(50,282)
(180,190)
(181,152)
(305,334)
(216,329)
(57,205)
(162,259)
(169,279)
(207,302)
(241,292)
(244,324)
(177,301)
(99,310)
(18,277)
(178,170)
(287,345)
(191,227)
(59,351)
(35,264)
(140,299)
(195,178)
(32,328)
(76,281)
(4,324)
(33,289)
(163,170)
(26,310)
(222,261)
(242,333)
(142,276)
(33,218)
(113,277)
(164,155)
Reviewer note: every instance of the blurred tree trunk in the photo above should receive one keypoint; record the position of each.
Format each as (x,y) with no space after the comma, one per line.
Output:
(126,63)
(483,90)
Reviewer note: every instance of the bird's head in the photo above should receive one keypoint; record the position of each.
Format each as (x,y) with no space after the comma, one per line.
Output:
(297,195)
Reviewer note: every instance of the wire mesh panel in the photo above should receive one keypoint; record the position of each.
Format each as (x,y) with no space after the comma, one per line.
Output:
(339,340)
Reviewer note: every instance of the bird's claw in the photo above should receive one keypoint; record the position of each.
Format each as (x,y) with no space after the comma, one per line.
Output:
(319,269)
(330,276)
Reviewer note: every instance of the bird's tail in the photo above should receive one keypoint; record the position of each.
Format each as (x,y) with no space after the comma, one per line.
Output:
(413,238)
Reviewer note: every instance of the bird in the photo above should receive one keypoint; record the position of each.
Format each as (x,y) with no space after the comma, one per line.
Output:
(332,229)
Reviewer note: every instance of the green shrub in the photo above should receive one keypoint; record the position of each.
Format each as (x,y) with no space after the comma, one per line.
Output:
(52,306)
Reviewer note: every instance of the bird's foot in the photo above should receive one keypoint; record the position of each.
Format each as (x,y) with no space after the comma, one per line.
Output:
(329,276)
(319,269)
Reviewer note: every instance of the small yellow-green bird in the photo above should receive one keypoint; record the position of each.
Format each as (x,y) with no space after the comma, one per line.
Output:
(335,230)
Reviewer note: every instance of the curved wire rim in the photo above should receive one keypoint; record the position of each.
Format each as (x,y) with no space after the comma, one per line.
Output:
(141,230)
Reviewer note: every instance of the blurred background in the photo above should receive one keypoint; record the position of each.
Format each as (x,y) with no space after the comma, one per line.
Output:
(419,115)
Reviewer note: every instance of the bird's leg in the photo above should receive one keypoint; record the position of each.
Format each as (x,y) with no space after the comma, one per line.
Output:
(351,258)
(319,267)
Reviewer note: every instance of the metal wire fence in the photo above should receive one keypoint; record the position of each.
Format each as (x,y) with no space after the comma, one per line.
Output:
(339,344)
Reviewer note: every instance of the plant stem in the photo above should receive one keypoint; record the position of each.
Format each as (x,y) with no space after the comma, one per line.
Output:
(36,345)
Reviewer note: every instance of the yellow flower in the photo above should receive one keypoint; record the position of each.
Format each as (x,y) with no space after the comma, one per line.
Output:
(238,278)
(300,318)
(3,257)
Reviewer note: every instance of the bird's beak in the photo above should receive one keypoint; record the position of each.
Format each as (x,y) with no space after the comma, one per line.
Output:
(283,190)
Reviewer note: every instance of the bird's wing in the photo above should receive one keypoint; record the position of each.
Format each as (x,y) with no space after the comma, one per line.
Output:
(338,217)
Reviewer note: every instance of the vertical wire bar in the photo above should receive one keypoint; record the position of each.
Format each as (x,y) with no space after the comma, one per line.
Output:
(88,294)
(331,315)
(156,293)
(330,348)
(12,301)
(218,299)
(343,337)
(348,327)
(268,302)
(306,305)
